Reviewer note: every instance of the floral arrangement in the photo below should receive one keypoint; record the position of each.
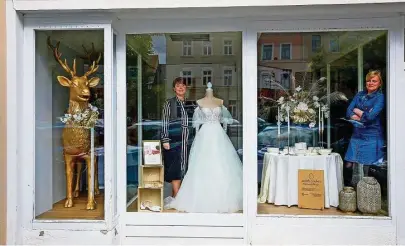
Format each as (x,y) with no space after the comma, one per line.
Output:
(302,107)
(86,118)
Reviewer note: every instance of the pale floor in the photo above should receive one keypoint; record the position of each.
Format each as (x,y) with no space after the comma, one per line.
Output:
(78,211)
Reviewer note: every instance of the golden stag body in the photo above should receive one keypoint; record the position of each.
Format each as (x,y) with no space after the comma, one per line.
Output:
(77,140)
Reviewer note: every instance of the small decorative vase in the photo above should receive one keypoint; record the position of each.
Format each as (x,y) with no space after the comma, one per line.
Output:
(347,200)
(369,195)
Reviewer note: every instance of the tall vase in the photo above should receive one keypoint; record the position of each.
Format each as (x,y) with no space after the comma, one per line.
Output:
(347,200)
(369,195)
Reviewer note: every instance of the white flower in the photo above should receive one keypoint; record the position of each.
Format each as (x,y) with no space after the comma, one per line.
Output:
(280,100)
(312,125)
(311,111)
(316,104)
(326,115)
(324,108)
(315,98)
(94,108)
(298,89)
(302,106)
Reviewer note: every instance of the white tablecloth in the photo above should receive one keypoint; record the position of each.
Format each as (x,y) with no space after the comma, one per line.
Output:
(280,177)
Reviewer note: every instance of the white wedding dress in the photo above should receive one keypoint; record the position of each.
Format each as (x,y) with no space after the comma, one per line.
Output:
(213,182)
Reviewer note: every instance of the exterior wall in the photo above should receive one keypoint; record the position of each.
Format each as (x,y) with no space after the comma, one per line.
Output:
(261,226)
(128,4)
(3,126)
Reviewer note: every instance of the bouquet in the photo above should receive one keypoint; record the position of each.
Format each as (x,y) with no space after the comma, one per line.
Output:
(303,107)
(86,118)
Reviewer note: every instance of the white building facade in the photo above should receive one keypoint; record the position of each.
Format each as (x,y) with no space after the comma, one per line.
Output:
(35,164)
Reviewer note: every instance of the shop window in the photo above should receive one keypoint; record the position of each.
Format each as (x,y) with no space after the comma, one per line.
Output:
(178,155)
(69,132)
(322,127)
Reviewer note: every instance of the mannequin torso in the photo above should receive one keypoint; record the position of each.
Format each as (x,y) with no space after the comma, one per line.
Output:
(209,101)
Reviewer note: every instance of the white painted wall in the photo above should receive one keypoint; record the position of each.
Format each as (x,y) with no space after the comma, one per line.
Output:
(130,4)
(262,229)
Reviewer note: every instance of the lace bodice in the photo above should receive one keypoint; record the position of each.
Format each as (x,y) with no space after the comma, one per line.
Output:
(211,115)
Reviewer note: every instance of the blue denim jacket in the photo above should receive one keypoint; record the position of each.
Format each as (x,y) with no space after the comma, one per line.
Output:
(371,105)
(367,141)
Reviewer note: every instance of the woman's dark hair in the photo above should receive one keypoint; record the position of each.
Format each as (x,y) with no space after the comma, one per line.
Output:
(179,80)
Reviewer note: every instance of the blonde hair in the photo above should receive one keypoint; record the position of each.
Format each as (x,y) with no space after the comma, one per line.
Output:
(374,73)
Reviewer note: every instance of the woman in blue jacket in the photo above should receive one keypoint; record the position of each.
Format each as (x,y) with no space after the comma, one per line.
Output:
(367,141)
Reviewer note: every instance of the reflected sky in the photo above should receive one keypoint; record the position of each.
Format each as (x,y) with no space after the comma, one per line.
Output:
(159,47)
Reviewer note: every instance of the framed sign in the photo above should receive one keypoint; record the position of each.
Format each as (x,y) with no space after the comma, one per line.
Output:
(152,152)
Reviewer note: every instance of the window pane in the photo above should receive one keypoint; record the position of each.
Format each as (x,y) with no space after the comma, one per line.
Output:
(285,51)
(69,132)
(207,163)
(323,114)
(267,52)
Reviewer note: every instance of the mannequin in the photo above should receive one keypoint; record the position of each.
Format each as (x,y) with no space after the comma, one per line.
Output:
(209,101)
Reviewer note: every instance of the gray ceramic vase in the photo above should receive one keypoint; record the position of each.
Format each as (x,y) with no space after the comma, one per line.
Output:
(347,200)
(369,195)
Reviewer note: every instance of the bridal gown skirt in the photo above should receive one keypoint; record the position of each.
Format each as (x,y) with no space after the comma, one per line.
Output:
(213,183)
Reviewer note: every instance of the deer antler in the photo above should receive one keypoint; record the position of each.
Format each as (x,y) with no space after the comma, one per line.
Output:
(88,56)
(58,55)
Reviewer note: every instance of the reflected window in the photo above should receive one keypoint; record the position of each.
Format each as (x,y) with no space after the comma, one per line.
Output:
(228,47)
(228,77)
(334,45)
(187,48)
(285,52)
(316,43)
(267,53)
(207,48)
(187,76)
(206,76)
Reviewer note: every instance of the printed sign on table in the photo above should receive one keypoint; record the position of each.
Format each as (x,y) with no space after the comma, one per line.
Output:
(311,189)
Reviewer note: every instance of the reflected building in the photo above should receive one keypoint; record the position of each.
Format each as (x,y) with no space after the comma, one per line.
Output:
(203,58)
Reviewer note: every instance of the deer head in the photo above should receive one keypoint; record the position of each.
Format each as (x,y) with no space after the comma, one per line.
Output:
(79,85)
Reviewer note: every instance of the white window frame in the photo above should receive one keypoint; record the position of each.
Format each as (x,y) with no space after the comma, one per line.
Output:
(224,46)
(359,228)
(207,69)
(190,46)
(28,143)
(232,69)
(204,47)
(136,224)
(191,75)
(281,51)
(272,51)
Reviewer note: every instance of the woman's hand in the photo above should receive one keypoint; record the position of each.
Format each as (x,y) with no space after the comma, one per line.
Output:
(355,117)
(358,112)
(166,146)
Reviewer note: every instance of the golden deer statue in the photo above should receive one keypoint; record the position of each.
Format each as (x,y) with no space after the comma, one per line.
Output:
(76,140)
